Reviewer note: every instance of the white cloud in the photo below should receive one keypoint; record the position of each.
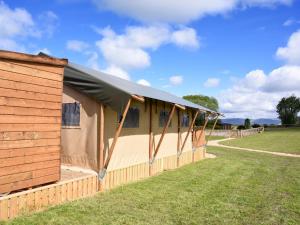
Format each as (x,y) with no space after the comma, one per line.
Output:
(179,11)
(48,21)
(16,22)
(17,26)
(186,37)
(289,22)
(291,53)
(130,49)
(283,79)
(144,82)
(176,80)
(257,94)
(11,45)
(116,71)
(92,61)
(212,82)
(76,46)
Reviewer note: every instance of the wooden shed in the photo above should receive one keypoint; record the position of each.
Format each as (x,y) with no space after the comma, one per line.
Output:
(30,120)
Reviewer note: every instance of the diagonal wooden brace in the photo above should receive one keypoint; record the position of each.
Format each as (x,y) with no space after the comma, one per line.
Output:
(102,172)
(164,132)
(202,130)
(212,129)
(189,131)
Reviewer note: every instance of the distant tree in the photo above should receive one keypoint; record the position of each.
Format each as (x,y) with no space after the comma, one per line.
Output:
(256,125)
(287,109)
(247,123)
(206,101)
(240,127)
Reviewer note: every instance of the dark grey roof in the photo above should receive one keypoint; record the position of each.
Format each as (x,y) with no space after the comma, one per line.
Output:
(114,91)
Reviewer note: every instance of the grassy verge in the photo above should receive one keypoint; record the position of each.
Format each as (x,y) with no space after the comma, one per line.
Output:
(235,188)
(212,138)
(280,140)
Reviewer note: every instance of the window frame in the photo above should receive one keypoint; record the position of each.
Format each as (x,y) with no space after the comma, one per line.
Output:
(71,126)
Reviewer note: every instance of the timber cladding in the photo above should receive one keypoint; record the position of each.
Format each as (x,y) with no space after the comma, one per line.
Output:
(30,120)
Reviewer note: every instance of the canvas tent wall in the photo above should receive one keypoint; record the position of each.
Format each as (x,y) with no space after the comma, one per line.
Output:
(30,115)
(93,89)
(80,144)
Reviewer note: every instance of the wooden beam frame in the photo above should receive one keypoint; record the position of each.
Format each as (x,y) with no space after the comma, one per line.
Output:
(150,137)
(101,155)
(138,98)
(164,132)
(202,130)
(180,106)
(188,133)
(215,123)
(102,173)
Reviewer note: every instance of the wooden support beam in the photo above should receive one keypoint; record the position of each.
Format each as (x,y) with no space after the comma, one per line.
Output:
(212,128)
(179,135)
(150,137)
(189,130)
(138,98)
(101,155)
(180,106)
(117,134)
(202,130)
(171,113)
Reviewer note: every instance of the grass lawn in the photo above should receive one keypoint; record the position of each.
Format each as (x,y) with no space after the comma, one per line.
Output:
(236,188)
(276,140)
(212,138)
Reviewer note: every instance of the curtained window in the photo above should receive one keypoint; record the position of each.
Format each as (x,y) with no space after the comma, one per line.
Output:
(71,114)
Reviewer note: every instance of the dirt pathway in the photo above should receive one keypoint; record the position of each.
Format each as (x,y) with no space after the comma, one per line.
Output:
(217,144)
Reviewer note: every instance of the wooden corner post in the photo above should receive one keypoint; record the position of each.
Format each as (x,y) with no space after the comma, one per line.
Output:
(102,173)
(101,143)
(150,137)
(179,135)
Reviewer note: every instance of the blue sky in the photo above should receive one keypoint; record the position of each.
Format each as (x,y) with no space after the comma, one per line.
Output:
(246,53)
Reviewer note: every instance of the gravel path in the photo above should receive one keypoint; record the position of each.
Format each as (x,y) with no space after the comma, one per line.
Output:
(217,144)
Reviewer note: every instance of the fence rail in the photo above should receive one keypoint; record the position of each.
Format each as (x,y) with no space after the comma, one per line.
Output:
(236,133)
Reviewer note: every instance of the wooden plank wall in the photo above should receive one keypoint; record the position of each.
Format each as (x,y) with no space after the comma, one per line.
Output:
(50,195)
(141,171)
(30,123)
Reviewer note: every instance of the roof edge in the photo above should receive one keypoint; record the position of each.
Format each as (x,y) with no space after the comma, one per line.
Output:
(40,58)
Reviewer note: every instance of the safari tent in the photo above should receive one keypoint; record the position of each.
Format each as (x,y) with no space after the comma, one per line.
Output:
(56,113)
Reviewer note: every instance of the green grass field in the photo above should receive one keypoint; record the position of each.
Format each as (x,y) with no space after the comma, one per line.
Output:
(212,138)
(276,140)
(236,188)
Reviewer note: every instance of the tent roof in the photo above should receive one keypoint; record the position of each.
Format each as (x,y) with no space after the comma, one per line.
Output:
(114,91)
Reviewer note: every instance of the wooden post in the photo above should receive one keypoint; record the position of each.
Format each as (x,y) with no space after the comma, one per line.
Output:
(215,123)
(203,128)
(101,142)
(150,138)
(189,130)
(179,135)
(117,134)
(164,130)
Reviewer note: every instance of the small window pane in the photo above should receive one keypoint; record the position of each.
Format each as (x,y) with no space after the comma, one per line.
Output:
(185,120)
(132,118)
(163,118)
(71,114)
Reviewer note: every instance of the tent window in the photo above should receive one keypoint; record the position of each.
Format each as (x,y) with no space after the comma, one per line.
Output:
(71,114)
(185,120)
(132,118)
(163,118)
